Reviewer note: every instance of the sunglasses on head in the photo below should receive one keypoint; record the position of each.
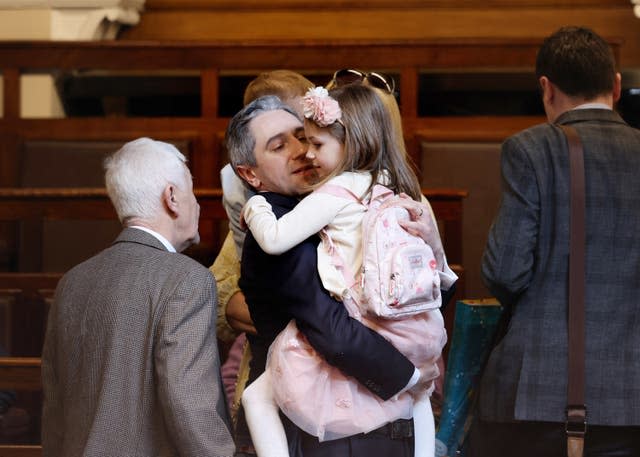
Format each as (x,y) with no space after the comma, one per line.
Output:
(350,76)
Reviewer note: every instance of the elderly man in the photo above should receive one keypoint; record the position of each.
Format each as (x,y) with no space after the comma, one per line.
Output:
(268,150)
(130,362)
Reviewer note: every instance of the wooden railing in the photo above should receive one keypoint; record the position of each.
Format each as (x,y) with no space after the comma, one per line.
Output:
(210,61)
(32,292)
(14,450)
(20,373)
(37,205)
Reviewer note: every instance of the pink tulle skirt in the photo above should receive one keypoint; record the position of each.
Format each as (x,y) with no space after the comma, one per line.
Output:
(324,402)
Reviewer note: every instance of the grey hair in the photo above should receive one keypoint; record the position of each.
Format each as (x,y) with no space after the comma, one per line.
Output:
(239,139)
(137,174)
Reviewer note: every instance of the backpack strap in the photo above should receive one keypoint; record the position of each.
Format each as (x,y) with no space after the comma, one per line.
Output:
(336,258)
(380,192)
(338,191)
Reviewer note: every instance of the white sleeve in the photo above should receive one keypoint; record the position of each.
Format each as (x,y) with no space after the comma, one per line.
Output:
(276,236)
(234,195)
(447,277)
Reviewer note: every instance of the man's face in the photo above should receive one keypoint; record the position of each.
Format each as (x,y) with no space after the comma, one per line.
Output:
(280,151)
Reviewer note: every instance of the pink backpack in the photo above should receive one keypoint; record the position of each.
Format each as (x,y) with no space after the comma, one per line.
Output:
(399,277)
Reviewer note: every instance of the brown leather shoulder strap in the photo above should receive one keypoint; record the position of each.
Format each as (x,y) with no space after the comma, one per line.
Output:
(576,409)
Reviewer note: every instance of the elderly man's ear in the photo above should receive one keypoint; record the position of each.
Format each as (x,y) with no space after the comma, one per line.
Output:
(249,176)
(170,200)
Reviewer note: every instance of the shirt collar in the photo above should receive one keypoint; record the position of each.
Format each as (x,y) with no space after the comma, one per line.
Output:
(593,106)
(159,237)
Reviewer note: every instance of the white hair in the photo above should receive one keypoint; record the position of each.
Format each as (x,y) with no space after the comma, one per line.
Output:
(137,174)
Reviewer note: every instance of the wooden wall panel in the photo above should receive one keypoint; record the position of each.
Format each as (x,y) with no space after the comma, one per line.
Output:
(480,176)
(344,4)
(383,19)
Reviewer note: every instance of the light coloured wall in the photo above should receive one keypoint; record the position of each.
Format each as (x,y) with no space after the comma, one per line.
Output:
(25,24)
(59,20)
(37,97)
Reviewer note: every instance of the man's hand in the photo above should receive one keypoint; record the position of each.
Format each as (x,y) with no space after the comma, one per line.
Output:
(238,315)
(422,224)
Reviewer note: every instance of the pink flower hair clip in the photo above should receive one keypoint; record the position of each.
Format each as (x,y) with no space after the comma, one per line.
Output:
(319,107)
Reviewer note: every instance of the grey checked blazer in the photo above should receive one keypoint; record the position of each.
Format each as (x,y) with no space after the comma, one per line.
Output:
(526,262)
(130,362)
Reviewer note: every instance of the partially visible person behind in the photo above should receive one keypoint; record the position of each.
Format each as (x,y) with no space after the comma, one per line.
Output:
(523,392)
(130,361)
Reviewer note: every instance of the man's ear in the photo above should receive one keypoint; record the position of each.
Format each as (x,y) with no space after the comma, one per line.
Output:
(548,89)
(249,175)
(617,87)
(170,200)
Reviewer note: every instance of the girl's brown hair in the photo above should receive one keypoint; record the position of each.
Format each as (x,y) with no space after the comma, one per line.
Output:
(371,145)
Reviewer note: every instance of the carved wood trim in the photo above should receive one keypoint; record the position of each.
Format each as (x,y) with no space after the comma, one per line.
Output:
(152,5)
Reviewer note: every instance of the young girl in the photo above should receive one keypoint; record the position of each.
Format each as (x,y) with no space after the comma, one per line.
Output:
(350,141)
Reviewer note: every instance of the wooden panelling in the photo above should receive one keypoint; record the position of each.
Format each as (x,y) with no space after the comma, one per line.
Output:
(82,204)
(480,175)
(290,20)
(260,54)
(37,209)
(151,5)
(404,57)
(10,450)
(20,372)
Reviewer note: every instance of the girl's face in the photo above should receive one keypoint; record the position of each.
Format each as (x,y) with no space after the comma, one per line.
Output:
(324,151)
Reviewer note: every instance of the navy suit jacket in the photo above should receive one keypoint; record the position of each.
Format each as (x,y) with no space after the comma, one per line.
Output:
(288,286)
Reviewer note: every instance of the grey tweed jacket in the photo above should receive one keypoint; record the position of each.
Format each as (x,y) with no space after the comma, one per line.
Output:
(526,263)
(130,363)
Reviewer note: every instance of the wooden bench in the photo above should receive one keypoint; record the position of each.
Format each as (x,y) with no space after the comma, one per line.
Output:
(34,206)
(20,373)
(32,291)
(15,450)
(24,304)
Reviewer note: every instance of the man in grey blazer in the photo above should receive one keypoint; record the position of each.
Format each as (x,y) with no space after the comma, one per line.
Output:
(523,393)
(130,362)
